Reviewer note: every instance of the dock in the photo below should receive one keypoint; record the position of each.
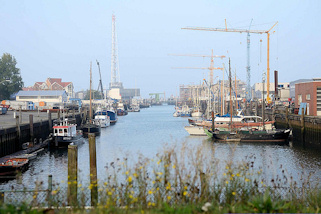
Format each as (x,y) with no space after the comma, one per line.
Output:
(20,127)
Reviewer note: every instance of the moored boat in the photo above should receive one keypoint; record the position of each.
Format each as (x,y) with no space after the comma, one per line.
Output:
(13,165)
(64,133)
(102,120)
(270,136)
(195,130)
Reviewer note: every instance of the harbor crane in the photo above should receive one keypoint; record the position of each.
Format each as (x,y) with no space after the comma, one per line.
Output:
(100,85)
(211,68)
(245,31)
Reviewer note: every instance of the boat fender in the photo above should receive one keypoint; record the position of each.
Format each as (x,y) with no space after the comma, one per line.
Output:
(9,162)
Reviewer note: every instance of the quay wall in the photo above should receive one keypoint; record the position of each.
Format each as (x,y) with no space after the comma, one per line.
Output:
(306,130)
(12,138)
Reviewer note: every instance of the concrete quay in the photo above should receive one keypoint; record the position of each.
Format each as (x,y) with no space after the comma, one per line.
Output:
(8,120)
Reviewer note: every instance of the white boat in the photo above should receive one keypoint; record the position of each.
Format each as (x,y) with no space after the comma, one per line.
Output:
(102,120)
(197,113)
(65,132)
(195,130)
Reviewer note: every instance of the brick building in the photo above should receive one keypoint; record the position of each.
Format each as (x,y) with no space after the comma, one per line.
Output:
(53,84)
(309,93)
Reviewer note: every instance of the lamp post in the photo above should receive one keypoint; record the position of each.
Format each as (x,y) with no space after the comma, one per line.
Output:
(6,80)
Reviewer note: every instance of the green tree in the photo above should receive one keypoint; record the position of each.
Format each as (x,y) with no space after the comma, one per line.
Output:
(10,78)
(94,95)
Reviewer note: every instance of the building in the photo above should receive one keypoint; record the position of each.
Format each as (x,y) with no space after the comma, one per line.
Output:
(283,91)
(53,84)
(122,93)
(309,93)
(292,86)
(46,97)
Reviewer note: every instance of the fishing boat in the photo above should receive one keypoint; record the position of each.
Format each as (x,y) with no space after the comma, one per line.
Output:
(13,165)
(121,109)
(64,133)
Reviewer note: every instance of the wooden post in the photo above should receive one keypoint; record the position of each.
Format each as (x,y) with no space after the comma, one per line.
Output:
(93,168)
(72,174)
(213,124)
(18,131)
(49,190)
(31,127)
(20,115)
(287,116)
(50,121)
(302,126)
(58,114)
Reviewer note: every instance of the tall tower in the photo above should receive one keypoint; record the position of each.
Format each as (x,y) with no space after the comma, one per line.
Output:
(115,77)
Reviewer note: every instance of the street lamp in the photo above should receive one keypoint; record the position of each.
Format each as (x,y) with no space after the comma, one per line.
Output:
(6,80)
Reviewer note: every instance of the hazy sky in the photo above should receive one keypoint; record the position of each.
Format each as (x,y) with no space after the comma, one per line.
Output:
(58,39)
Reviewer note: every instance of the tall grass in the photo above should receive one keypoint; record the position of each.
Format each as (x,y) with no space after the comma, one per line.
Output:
(193,180)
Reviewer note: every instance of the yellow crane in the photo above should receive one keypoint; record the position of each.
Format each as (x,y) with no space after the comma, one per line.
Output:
(211,68)
(268,99)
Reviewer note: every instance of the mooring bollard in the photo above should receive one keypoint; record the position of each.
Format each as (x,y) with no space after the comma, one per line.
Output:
(72,174)
(31,127)
(93,169)
(302,126)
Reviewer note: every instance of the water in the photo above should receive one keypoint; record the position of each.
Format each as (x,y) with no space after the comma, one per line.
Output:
(150,131)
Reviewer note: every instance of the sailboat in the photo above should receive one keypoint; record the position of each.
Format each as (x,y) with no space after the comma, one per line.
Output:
(247,135)
(90,126)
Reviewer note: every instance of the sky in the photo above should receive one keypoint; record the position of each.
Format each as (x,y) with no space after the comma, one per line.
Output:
(59,39)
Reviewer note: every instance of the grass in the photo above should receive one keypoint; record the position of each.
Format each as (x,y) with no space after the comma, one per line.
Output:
(186,180)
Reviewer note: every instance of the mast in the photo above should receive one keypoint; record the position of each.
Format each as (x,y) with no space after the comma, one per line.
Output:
(263,103)
(90,110)
(230,80)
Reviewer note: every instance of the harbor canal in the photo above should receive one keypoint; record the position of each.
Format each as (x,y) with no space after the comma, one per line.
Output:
(154,129)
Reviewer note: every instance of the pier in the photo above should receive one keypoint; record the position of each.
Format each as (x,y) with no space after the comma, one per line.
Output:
(19,127)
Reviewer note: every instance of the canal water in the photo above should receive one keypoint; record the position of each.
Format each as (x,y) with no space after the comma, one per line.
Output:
(154,129)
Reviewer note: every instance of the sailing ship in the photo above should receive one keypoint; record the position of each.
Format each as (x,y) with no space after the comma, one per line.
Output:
(90,126)
(247,134)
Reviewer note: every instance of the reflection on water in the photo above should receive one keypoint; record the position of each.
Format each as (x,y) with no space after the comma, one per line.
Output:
(150,131)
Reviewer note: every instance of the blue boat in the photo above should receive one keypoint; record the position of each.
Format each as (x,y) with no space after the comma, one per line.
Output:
(112,115)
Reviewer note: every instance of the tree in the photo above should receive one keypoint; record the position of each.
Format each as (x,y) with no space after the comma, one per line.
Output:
(10,78)
(94,95)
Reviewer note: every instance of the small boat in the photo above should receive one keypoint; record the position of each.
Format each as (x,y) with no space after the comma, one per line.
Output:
(270,136)
(102,120)
(64,133)
(197,113)
(195,130)
(13,165)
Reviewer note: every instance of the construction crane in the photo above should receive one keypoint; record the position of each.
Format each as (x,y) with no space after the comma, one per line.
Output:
(245,31)
(211,68)
(100,85)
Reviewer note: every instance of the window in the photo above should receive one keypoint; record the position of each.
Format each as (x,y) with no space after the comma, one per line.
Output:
(308,97)
(299,99)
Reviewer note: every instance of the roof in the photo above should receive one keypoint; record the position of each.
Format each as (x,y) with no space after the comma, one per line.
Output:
(41,93)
